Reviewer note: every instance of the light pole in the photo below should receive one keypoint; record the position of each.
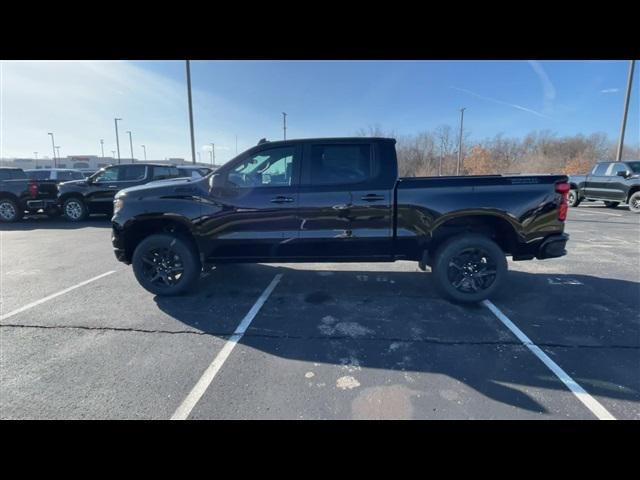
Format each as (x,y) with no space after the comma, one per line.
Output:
(130,146)
(144,149)
(113,154)
(626,110)
(213,154)
(58,150)
(193,143)
(115,120)
(53,143)
(36,154)
(284,124)
(102,146)
(460,144)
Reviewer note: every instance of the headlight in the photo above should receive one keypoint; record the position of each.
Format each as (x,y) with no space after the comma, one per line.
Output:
(117,205)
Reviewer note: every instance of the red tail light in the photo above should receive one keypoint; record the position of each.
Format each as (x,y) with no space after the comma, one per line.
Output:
(563,189)
(33,189)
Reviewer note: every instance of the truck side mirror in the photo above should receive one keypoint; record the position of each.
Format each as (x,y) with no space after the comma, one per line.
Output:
(624,173)
(217,181)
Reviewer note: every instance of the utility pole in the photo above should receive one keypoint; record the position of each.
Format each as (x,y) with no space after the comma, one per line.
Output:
(213,154)
(284,124)
(625,112)
(193,143)
(144,149)
(460,145)
(117,139)
(130,145)
(102,146)
(53,147)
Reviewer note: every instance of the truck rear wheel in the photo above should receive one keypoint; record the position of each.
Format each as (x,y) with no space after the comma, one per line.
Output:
(166,264)
(634,202)
(9,211)
(573,199)
(469,268)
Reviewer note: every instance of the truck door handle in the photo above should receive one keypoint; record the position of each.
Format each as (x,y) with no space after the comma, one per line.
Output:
(342,207)
(372,197)
(281,199)
(112,186)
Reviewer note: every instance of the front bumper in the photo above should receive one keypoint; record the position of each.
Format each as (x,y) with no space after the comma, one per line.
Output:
(117,240)
(553,246)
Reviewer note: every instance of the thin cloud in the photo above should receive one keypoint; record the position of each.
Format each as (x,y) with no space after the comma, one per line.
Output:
(610,90)
(500,102)
(549,91)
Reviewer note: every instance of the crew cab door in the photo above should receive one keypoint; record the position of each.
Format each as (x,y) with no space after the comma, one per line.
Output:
(617,185)
(346,202)
(251,209)
(596,184)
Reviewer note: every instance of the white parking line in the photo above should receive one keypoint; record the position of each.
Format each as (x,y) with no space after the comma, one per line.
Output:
(591,403)
(54,295)
(185,408)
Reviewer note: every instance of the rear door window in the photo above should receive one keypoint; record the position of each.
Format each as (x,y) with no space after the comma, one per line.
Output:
(132,173)
(161,173)
(600,169)
(342,164)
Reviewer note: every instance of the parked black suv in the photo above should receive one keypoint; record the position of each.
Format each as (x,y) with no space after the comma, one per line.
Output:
(95,194)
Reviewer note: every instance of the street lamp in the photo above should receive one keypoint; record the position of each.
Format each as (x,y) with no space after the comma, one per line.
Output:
(213,154)
(144,149)
(115,120)
(58,150)
(130,145)
(102,146)
(284,124)
(53,143)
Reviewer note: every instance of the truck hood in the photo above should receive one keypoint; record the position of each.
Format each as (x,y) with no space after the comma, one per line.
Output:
(162,187)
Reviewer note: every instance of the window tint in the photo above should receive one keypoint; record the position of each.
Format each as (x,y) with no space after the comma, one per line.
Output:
(600,169)
(341,164)
(39,175)
(634,166)
(12,174)
(160,173)
(68,175)
(132,173)
(618,167)
(268,168)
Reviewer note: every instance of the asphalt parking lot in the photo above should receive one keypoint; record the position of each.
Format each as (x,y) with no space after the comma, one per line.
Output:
(80,339)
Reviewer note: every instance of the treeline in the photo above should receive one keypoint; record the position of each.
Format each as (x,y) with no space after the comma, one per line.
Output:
(435,152)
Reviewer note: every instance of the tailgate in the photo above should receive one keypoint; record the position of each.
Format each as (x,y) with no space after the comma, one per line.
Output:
(47,190)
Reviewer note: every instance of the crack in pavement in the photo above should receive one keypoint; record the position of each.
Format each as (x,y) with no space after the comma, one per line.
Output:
(316,337)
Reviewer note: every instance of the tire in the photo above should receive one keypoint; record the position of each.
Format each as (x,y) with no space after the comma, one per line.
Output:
(9,211)
(611,204)
(156,255)
(573,199)
(470,252)
(634,202)
(74,209)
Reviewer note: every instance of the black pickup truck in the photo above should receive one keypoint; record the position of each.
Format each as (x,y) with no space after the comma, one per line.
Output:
(339,200)
(611,182)
(79,198)
(20,195)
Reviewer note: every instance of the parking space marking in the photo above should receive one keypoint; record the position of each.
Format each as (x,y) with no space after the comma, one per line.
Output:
(591,403)
(53,295)
(185,408)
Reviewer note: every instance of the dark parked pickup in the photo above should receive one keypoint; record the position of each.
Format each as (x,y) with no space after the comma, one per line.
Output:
(339,200)
(612,182)
(79,198)
(20,195)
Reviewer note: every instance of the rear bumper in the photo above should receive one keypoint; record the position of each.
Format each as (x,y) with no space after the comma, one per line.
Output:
(553,246)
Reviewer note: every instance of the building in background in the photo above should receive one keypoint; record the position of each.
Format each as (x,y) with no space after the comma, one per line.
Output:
(93,162)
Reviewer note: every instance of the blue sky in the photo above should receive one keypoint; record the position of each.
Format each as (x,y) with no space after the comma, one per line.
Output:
(78,101)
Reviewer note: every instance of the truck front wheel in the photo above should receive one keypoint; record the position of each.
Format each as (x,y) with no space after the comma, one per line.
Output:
(573,199)
(166,264)
(634,202)
(469,268)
